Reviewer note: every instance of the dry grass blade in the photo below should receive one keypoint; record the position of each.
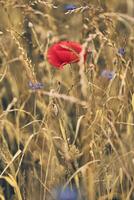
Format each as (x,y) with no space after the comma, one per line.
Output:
(70,99)
(24,150)
(13,159)
(77,128)
(80,170)
(10,179)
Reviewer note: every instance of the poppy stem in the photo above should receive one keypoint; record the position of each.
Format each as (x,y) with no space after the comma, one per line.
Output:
(75,85)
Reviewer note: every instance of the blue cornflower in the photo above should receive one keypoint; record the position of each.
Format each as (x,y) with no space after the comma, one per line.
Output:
(107,74)
(69,7)
(35,86)
(68,194)
(121,51)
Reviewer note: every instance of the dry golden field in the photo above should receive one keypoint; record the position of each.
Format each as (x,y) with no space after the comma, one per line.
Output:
(67,134)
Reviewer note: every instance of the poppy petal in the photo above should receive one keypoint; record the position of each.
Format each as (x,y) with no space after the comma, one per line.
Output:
(53,59)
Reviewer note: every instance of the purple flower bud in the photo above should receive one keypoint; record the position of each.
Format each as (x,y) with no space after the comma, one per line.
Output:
(68,194)
(35,86)
(69,7)
(107,74)
(121,51)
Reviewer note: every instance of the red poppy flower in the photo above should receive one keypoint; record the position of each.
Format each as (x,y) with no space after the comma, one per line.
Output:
(63,53)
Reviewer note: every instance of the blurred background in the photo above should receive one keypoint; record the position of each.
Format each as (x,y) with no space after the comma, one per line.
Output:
(67,134)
